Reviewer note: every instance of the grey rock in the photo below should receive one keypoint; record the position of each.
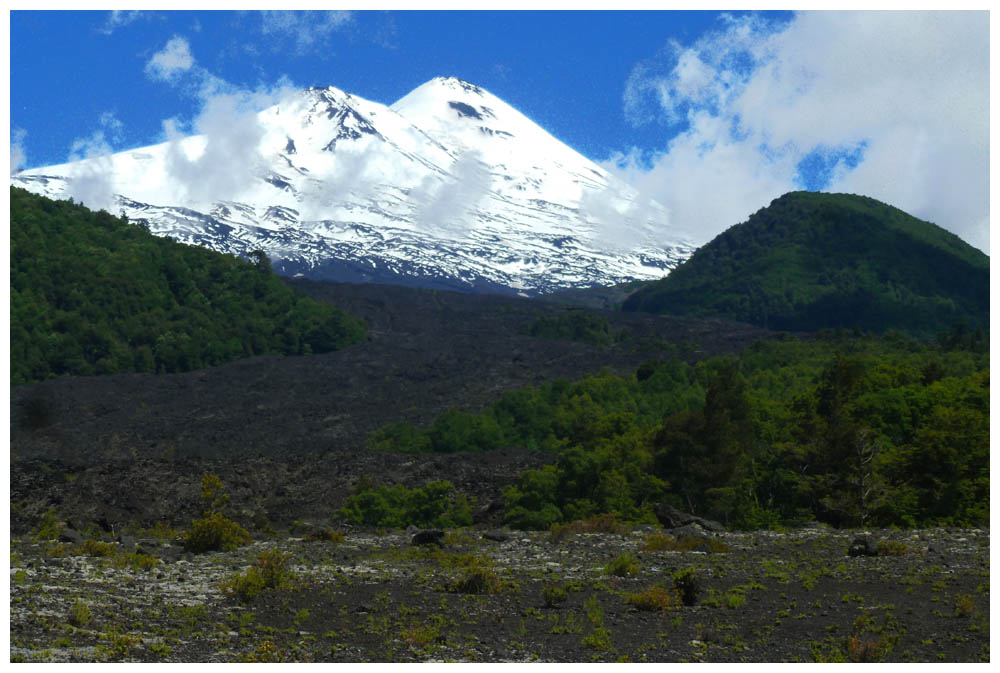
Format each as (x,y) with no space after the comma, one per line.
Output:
(428,537)
(863,546)
(71,536)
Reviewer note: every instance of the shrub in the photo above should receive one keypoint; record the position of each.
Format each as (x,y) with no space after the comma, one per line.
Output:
(893,548)
(270,573)
(97,548)
(653,599)
(214,532)
(49,526)
(622,565)
(326,535)
(79,614)
(553,595)
(964,606)
(687,586)
(476,579)
(436,505)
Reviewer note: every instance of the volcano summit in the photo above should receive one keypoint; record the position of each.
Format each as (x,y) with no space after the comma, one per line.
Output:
(450,187)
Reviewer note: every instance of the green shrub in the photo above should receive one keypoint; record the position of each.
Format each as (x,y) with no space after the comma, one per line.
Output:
(270,573)
(687,586)
(602,523)
(49,526)
(214,532)
(476,579)
(79,614)
(622,565)
(97,548)
(893,548)
(436,505)
(653,599)
(552,595)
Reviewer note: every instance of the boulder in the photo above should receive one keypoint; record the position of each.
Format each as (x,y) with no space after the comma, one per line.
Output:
(863,546)
(428,537)
(71,536)
(670,517)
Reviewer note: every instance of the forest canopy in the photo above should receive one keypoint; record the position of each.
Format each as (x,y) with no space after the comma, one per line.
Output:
(92,293)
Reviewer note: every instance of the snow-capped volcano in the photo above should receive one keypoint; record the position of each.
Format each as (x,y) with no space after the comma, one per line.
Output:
(449,187)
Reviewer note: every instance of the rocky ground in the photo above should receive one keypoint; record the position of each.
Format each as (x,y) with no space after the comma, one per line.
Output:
(491,596)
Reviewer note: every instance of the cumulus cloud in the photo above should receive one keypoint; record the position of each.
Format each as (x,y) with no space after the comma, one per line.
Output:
(17,153)
(227,158)
(174,59)
(306,28)
(445,206)
(893,105)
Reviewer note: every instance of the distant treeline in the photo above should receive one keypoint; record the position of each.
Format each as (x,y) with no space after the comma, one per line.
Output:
(93,294)
(844,428)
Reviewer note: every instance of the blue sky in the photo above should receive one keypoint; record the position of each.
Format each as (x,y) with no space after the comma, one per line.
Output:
(711,114)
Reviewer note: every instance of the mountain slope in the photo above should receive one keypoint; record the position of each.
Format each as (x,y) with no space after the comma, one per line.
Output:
(450,187)
(811,261)
(93,294)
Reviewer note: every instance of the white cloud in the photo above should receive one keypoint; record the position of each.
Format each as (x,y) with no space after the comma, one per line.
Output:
(91,182)
(174,59)
(307,28)
(118,18)
(18,156)
(908,90)
(447,207)
(230,159)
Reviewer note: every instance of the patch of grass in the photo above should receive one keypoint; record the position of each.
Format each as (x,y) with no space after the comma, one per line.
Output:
(97,548)
(622,565)
(965,606)
(270,573)
(326,535)
(893,548)
(652,599)
(602,523)
(682,543)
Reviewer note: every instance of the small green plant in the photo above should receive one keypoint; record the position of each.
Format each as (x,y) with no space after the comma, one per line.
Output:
(214,532)
(79,614)
(598,639)
(270,573)
(553,595)
(653,599)
(622,565)
(687,586)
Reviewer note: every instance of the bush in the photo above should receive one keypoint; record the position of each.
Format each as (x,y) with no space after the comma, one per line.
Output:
(687,586)
(270,573)
(214,532)
(553,595)
(97,548)
(50,526)
(79,614)
(477,580)
(622,565)
(653,599)
(326,535)
(437,505)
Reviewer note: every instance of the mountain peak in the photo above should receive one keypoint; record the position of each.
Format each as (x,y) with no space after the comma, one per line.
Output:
(449,187)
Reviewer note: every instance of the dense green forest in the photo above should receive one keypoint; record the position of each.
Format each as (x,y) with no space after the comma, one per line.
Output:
(92,294)
(811,261)
(846,428)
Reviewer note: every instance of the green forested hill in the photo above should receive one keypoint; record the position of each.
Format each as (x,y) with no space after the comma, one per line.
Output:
(811,261)
(93,294)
